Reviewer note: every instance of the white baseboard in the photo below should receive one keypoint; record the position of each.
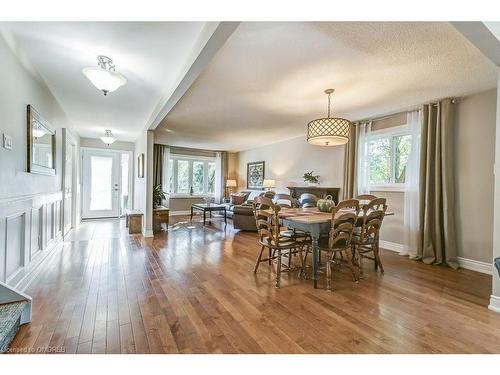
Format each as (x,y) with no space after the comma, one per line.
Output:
(475,265)
(392,246)
(179,213)
(147,233)
(494,304)
(469,264)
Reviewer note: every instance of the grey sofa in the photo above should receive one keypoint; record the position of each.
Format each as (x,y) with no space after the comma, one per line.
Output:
(242,214)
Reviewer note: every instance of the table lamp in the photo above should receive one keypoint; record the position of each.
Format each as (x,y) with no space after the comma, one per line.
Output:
(268,184)
(230,184)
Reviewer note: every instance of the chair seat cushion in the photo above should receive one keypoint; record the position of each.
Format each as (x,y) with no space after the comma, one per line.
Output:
(295,234)
(356,239)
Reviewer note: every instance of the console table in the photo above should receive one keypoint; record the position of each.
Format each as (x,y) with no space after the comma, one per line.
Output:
(319,191)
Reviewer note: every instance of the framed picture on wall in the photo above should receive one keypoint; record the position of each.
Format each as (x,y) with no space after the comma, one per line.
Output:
(140,166)
(255,175)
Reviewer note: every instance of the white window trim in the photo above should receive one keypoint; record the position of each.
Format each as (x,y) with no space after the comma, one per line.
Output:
(191,159)
(393,131)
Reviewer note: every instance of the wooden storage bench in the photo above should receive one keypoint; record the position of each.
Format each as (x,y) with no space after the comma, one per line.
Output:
(133,221)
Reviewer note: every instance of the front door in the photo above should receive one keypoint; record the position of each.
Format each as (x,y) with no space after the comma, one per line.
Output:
(101,184)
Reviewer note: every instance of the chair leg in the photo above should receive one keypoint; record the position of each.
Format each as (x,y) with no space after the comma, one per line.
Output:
(303,267)
(270,256)
(377,258)
(290,258)
(278,271)
(351,266)
(375,263)
(360,263)
(258,259)
(328,274)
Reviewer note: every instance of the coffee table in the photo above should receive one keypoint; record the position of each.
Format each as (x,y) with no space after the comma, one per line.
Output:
(208,208)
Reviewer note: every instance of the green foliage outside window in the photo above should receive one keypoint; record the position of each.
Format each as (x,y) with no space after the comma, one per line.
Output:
(388,158)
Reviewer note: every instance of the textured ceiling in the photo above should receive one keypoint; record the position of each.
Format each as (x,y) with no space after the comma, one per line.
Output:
(152,55)
(267,81)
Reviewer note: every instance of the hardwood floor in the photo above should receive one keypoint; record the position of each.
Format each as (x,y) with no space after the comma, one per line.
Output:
(193,291)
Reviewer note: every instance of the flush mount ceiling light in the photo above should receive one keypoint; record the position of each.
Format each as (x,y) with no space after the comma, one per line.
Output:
(329,131)
(104,77)
(108,137)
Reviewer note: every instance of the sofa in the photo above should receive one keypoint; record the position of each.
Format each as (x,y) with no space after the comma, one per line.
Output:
(242,214)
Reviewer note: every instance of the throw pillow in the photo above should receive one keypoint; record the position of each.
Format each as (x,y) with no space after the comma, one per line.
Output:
(237,198)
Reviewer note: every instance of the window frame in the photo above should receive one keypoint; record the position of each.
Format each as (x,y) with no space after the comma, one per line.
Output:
(391,133)
(190,159)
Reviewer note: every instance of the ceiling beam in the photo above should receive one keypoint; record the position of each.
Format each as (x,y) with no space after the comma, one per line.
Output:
(219,34)
(481,36)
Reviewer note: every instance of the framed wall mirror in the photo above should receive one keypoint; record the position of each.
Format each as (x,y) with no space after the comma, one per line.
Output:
(41,144)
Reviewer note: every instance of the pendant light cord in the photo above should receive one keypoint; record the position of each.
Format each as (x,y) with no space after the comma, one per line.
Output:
(329,95)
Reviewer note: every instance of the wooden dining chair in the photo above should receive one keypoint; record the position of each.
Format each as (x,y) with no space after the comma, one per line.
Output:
(308,200)
(269,229)
(366,197)
(285,200)
(365,240)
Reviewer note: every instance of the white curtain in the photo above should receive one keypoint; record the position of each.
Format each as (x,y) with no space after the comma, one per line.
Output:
(218,177)
(363,167)
(411,214)
(166,175)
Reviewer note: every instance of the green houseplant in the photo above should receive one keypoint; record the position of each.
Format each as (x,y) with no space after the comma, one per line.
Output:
(158,195)
(310,178)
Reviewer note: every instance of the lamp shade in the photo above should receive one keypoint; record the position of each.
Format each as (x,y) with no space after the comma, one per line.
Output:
(268,184)
(108,137)
(231,183)
(328,131)
(105,80)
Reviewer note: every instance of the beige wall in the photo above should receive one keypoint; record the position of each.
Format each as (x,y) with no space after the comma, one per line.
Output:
(474,179)
(287,161)
(474,159)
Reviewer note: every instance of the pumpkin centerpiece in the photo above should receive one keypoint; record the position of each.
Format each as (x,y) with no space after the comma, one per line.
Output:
(326,204)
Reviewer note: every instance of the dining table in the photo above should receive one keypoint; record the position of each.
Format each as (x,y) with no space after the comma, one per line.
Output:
(314,222)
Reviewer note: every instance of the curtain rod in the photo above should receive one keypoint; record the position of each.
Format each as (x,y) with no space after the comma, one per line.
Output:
(453,101)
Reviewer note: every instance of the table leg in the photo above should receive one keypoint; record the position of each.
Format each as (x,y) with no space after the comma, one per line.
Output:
(210,213)
(315,256)
(225,218)
(191,213)
(204,216)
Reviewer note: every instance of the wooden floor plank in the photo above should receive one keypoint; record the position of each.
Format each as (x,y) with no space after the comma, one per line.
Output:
(193,290)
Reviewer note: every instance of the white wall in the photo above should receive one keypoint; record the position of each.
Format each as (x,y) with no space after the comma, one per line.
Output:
(287,161)
(143,189)
(30,204)
(18,89)
(140,183)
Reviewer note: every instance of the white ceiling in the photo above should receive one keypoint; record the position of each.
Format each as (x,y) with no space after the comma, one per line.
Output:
(151,55)
(267,81)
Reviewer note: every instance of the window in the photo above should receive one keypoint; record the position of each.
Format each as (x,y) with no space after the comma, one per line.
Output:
(388,155)
(191,175)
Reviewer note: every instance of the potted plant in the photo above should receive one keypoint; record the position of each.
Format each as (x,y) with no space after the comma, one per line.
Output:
(312,180)
(158,195)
